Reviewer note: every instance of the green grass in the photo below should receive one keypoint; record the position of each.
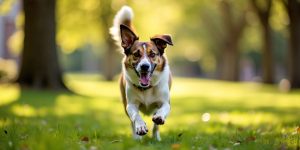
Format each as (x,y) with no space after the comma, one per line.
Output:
(238,116)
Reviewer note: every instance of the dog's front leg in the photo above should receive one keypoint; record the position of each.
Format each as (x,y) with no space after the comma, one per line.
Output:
(159,118)
(138,125)
(161,114)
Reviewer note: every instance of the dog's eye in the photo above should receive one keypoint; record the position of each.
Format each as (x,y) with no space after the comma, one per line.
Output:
(137,54)
(152,55)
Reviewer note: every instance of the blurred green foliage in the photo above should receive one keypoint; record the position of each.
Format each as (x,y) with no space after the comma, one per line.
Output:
(196,26)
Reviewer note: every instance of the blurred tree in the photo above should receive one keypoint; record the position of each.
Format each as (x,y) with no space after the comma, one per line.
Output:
(218,33)
(88,22)
(39,66)
(233,29)
(293,10)
(263,11)
(78,24)
(106,17)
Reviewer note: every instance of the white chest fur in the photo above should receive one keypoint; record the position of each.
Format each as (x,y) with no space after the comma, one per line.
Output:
(151,99)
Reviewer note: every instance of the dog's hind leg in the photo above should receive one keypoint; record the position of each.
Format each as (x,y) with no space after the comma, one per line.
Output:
(155,132)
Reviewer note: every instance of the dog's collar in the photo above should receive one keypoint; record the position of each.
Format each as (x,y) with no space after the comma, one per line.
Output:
(142,88)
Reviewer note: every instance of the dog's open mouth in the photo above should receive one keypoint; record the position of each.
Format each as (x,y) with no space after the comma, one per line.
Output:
(145,78)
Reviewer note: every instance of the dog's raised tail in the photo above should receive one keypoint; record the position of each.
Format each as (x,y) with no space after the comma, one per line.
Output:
(123,16)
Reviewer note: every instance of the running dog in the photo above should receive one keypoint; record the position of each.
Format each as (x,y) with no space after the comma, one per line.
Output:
(146,77)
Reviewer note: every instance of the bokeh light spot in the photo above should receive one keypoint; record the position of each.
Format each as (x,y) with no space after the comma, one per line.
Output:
(205,117)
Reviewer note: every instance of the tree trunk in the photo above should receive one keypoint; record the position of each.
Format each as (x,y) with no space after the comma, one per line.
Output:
(39,65)
(293,7)
(233,29)
(110,56)
(109,63)
(267,54)
(263,14)
(230,62)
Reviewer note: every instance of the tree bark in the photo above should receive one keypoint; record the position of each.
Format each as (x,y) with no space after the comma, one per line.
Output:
(233,28)
(230,62)
(293,9)
(39,65)
(110,59)
(267,55)
(263,14)
(109,63)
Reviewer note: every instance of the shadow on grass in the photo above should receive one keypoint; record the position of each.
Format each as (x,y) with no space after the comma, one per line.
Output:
(55,120)
(42,118)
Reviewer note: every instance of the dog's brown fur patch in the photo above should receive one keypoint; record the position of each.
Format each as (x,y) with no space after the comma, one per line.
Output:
(137,52)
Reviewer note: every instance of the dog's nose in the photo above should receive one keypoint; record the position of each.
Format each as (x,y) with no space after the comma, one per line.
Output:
(145,67)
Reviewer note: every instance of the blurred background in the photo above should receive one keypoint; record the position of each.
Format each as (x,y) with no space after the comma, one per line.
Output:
(249,40)
(64,45)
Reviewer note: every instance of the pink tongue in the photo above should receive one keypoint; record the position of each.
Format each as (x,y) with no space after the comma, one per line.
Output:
(144,79)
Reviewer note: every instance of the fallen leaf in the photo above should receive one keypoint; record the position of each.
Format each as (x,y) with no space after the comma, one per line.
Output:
(240,129)
(298,129)
(84,139)
(24,147)
(175,146)
(250,138)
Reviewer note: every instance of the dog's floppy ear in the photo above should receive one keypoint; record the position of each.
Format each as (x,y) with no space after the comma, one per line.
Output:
(161,42)
(128,37)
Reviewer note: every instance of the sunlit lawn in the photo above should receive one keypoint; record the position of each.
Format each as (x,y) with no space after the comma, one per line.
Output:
(205,114)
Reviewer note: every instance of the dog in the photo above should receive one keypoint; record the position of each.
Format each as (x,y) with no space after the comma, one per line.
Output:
(146,79)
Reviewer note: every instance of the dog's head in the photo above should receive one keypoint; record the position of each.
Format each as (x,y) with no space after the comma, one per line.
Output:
(144,57)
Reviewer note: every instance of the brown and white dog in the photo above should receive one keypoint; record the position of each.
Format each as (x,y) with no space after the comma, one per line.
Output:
(146,78)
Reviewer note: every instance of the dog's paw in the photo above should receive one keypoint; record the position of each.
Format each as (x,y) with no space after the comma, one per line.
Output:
(158,120)
(140,128)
